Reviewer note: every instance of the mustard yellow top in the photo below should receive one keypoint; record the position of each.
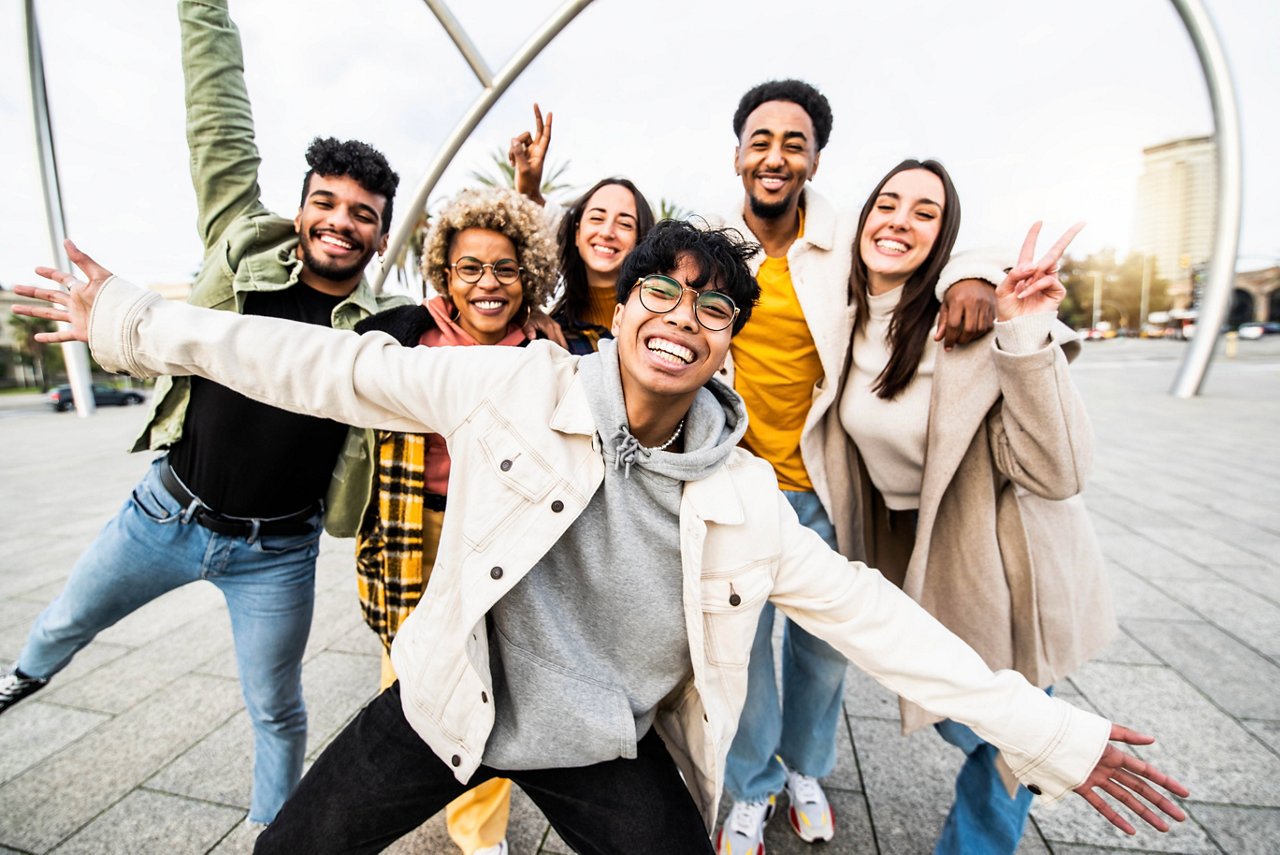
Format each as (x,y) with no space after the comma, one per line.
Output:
(600,303)
(776,366)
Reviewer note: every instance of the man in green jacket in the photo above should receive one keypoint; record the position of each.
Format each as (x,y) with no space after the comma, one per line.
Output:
(237,498)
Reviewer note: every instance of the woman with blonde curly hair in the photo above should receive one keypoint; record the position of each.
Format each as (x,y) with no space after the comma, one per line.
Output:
(490,258)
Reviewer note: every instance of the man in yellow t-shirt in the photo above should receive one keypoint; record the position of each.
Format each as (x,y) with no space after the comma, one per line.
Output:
(787,364)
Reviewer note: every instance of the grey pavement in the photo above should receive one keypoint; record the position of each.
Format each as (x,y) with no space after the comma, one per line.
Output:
(141,745)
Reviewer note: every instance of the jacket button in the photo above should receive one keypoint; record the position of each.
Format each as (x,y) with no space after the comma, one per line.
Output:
(456,761)
(496,572)
(484,698)
(735,600)
(1035,791)
(505,466)
(557,506)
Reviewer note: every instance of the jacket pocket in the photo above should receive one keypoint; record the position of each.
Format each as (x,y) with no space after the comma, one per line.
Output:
(513,476)
(731,604)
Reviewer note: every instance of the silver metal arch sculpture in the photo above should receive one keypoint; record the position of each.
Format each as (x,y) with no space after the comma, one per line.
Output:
(1222,265)
(494,86)
(1194,16)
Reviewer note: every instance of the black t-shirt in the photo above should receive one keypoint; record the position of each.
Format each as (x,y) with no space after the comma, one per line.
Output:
(248,459)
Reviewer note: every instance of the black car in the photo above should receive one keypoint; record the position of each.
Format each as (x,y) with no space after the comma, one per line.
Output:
(60,398)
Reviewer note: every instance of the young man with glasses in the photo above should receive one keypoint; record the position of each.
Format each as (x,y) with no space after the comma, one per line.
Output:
(238,497)
(602,567)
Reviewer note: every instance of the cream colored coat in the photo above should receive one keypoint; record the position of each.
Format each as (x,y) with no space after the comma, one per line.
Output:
(1004,553)
(525,462)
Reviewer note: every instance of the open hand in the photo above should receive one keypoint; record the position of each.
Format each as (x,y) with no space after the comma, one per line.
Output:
(1125,778)
(528,154)
(71,306)
(1031,286)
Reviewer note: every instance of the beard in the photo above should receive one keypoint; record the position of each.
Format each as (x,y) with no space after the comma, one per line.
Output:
(768,210)
(326,268)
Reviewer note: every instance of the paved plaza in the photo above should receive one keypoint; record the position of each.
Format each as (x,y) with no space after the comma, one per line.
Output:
(141,745)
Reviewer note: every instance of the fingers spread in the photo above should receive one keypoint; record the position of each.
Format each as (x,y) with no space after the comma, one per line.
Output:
(1028,251)
(1055,252)
(1101,806)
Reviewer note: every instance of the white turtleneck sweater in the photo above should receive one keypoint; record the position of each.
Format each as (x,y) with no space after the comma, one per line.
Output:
(891,435)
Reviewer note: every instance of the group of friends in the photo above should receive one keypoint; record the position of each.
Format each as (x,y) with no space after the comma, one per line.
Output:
(573,541)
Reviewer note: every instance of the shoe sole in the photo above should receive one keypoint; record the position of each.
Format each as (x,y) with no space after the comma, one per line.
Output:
(795,826)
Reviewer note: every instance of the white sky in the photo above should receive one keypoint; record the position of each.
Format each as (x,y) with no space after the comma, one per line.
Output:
(1039,109)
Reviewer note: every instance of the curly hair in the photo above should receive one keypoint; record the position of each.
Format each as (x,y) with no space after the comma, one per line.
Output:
(721,257)
(503,211)
(335,158)
(796,92)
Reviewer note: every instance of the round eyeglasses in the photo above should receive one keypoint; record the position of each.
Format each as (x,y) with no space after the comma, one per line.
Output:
(471,270)
(660,294)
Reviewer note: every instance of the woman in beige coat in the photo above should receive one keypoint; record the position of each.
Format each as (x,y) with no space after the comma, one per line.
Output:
(962,471)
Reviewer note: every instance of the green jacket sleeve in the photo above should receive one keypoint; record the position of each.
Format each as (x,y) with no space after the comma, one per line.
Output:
(224,157)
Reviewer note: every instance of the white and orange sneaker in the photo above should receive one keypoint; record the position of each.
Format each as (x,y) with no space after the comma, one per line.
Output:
(811,815)
(743,829)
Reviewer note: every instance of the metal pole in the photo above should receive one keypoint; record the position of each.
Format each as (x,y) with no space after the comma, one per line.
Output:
(1097,298)
(487,98)
(74,353)
(1226,121)
(1145,303)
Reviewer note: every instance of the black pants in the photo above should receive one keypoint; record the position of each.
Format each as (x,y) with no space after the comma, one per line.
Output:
(378,780)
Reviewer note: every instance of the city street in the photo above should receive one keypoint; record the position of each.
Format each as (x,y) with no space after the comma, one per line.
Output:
(142,745)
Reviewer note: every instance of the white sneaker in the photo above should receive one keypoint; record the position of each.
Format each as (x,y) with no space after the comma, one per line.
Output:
(743,829)
(499,848)
(811,815)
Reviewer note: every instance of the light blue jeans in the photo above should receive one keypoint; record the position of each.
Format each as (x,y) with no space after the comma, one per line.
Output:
(801,726)
(269,585)
(983,818)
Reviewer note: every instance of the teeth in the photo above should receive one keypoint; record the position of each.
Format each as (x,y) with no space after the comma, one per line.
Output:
(671,350)
(336,241)
(488,304)
(892,245)
(605,250)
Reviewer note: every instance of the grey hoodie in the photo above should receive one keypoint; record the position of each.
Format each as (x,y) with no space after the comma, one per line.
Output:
(585,647)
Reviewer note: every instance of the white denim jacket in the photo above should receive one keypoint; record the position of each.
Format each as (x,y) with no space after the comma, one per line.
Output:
(525,462)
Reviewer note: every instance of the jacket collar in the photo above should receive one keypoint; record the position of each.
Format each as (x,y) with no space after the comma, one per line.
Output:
(573,413)
(819,222)
(964,390)
(715,498)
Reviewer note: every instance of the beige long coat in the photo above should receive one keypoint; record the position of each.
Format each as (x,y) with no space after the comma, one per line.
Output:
(1004,554)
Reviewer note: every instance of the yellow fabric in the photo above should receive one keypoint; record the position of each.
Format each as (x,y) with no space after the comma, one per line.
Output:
(600,303)
(478,818)
(775,367)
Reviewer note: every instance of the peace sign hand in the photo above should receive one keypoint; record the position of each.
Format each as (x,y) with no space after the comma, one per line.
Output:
(527,154)
(71,306)
(1032,287)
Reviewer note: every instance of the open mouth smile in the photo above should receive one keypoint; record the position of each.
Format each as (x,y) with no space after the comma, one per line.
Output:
(669,351)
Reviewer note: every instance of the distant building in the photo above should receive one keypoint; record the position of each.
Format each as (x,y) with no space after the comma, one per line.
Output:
(1176,213)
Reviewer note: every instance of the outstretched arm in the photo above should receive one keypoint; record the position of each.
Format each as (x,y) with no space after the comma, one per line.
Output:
(528,154)
(224,156)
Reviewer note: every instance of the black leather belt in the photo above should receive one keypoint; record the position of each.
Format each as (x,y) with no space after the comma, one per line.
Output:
(434,502)
(250,528)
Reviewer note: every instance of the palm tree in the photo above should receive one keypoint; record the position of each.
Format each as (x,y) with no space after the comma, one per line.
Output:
(505,175)
(669,210)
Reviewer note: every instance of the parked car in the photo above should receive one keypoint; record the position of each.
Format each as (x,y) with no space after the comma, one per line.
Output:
(1257,329)
(60,398)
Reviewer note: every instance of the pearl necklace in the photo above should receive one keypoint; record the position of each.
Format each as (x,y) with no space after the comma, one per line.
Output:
(670,440)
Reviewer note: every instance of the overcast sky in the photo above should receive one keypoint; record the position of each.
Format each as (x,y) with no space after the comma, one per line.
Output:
(1039,109)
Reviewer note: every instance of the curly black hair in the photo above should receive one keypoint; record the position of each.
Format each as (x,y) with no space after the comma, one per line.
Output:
(720,254)
(797,92)
(334,158)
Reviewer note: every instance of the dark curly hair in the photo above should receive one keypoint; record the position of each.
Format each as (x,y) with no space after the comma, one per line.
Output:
(573,302)
(797,92)
(721,256)
(335,158)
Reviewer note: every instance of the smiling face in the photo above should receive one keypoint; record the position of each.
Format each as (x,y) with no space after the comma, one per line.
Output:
(487,307)
(606,232)
(664,359)
(901,228)
(339,229)
(776,155)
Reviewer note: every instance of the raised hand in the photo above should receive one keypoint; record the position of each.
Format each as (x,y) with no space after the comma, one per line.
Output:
(1031,286)
(71,306)
(528,154)
(1128,780)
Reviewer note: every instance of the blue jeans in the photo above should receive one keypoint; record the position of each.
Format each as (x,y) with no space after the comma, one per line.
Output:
(269,585)
(983,818)
(801,727)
